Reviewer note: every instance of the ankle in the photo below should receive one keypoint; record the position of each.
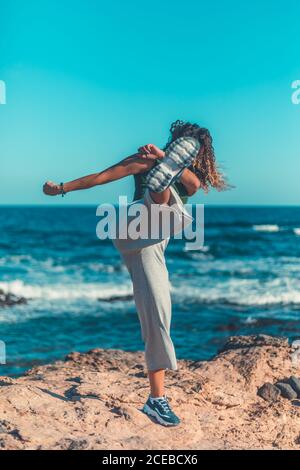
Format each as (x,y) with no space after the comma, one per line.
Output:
(156,396)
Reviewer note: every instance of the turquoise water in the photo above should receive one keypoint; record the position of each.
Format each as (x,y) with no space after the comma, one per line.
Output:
(245,280)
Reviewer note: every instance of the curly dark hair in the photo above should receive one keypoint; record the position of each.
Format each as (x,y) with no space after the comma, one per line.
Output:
(204,165)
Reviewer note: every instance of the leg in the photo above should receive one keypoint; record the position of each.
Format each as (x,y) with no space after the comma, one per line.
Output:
(157,377)
(157,382)
(152,297)
(161,198)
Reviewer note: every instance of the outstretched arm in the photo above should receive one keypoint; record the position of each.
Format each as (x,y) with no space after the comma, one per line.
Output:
(129,166)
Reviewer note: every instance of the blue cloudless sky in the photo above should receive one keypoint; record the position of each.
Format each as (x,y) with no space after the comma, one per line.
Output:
(89,81)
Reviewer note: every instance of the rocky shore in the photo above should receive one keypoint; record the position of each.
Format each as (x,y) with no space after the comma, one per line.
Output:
(93,401)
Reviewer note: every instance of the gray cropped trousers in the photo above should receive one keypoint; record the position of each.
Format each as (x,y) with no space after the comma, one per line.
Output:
(151,289)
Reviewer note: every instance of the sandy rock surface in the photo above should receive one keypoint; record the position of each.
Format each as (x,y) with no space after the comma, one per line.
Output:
(93,401)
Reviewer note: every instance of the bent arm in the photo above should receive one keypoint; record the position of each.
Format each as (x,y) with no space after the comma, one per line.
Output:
(190,181)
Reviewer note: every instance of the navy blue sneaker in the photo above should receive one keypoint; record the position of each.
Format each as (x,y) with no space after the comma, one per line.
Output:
(160,409)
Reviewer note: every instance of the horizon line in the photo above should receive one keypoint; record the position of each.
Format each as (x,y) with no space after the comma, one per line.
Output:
(95,205)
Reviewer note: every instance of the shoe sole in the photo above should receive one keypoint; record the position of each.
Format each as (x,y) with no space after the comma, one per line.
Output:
(166,172)
(148,411)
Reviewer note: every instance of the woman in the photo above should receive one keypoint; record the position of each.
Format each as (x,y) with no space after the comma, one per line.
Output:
(165,177)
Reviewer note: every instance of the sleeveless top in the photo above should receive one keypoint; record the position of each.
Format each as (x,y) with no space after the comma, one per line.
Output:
(140,187)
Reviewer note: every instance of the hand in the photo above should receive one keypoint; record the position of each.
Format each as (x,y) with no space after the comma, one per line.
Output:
(148,156)
(51,189)
(153,150)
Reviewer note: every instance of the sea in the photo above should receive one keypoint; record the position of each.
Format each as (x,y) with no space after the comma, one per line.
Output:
(244,280)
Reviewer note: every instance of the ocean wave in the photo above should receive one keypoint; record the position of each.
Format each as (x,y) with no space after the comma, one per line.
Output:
(203,249)
(260,267)
(240,292)
(232,290)
(297,231)
(56,265)
(29,262)
(53,292)
(266,228)
(250,321)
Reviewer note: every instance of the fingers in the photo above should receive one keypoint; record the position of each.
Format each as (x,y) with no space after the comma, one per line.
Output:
(50,188)
(149,156)
(145,148)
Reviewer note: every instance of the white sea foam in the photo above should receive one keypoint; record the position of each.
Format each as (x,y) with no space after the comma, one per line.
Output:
(241,292)
(297,231)
(250,321)
(91,291)
(31,263)
(203,249)
(244,282)
(51,265)
(266,228)
(281,265)
(14,259)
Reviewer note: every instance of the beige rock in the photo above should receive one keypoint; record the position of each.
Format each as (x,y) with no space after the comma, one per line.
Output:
(94,401)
